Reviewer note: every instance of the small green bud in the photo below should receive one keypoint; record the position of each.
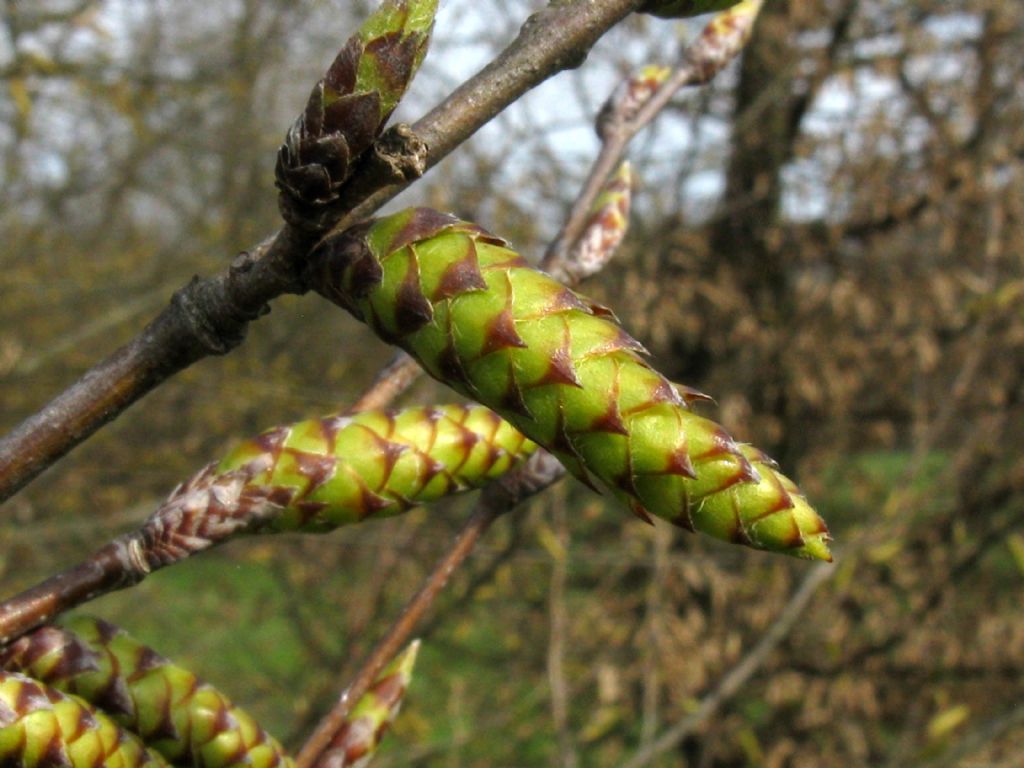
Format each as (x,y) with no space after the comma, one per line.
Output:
(606,226)
(629,96)
(168,707)
(41,727)
(311,476)
(356,742)
(316,475)
(723,38)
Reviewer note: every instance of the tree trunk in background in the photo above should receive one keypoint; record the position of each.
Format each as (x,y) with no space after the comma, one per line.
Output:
(749,235)
(746,232)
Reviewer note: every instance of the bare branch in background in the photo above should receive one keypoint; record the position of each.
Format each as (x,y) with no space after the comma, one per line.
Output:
(558,620)
(641,97)
(737,677)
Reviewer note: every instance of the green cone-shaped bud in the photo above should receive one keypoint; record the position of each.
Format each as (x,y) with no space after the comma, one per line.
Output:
(348,108)
(356,742)
(319,474)
(169,708)
(678,9)
(40,726)
(559,368)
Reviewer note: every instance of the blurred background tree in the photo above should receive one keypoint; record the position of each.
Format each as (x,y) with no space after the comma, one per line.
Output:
(828,240)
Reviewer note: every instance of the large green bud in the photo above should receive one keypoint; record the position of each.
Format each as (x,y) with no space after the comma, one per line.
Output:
(678,9)
(560,369)
(348,108)
(316,475)
(42,727)
(184,719)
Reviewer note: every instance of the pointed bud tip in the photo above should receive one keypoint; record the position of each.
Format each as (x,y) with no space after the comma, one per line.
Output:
(399,16)
(406,660)
(815,548)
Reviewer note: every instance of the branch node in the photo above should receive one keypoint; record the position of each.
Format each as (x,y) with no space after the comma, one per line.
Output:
(540,470)
(242,263)
(399,156)
(400,153)
(211,317)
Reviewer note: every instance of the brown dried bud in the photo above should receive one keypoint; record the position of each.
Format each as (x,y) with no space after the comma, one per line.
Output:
(348,109)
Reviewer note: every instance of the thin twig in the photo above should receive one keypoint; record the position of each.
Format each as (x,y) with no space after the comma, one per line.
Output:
(654,629)
(391,381)
(559,626)
(741,673)
(112,567)
(391,643)
(538,473)
(703,59)
(124,562)
(210,316)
